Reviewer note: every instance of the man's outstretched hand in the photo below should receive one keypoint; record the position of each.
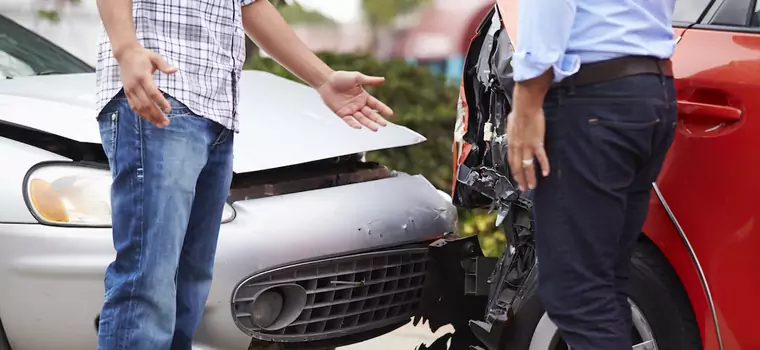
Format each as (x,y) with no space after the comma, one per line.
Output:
(344,94)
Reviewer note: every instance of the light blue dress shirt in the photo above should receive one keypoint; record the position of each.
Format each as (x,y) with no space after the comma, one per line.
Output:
(562,34)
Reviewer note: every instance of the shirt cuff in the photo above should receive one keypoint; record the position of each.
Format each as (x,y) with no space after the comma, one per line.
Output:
(527,65)
(246,2)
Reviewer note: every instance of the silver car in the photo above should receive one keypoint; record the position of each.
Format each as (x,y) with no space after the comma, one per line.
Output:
(318,247)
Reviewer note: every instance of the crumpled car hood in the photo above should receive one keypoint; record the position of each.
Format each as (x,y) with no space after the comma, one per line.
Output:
(282,122)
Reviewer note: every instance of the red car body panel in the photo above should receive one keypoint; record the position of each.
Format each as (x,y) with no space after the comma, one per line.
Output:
(710,183)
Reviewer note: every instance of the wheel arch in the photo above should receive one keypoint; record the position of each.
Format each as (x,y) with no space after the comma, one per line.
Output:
(663,232)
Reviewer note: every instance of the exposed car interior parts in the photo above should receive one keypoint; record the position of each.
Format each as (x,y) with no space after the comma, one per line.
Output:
(482,177)
(483,181)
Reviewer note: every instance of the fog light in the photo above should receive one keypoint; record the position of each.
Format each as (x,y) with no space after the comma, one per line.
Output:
(266,308)
(277,307)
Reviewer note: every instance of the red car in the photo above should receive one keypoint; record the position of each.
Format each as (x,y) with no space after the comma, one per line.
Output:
(696,275)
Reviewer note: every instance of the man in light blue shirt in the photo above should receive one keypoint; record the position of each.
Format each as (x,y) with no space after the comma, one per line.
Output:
(594,111)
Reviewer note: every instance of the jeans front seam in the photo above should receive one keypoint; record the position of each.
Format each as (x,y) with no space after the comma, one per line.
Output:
(141,224)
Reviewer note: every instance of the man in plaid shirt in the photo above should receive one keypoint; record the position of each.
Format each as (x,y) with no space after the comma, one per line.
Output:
(167,81)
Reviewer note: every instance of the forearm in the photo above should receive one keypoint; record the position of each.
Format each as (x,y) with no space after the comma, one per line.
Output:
(117,20)
(528,96)
(271,33)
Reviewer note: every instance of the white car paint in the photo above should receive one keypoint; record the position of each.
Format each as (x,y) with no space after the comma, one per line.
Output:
(282,122)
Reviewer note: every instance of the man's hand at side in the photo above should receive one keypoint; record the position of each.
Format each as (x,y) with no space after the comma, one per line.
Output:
(526,129)
(342,92)
(136,63)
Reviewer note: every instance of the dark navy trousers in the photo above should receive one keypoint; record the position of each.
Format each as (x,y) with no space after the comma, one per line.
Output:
(606,144)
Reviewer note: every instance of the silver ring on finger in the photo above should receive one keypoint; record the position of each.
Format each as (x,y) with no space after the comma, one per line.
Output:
(527,163)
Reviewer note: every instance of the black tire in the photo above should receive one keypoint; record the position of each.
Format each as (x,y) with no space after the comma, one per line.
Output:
(655,289)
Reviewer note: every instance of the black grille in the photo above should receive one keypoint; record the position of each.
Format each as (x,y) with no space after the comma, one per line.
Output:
(345,295)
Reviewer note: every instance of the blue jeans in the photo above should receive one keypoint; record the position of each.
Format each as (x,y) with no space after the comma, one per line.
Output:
(169,189)
(606,144)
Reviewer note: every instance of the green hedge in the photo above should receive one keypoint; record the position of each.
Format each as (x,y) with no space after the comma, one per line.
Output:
(423,102)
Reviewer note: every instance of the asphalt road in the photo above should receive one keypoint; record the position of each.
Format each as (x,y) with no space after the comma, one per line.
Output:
(404,338)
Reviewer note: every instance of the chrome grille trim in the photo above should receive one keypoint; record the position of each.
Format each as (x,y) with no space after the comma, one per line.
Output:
(345,295)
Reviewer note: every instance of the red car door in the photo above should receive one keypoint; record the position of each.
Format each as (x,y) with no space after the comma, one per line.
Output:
(711,178)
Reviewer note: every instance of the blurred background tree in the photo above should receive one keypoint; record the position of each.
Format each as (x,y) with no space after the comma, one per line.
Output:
(380,14)
(51,9)
(293,13)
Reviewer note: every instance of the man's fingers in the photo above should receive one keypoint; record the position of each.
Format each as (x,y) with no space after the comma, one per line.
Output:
(374,116)
(380,107)
(362,79)
(162,65)
(361,118)
(515,165)
(156,96)
(147,109)
(529,169)
(349,119)
(543,160)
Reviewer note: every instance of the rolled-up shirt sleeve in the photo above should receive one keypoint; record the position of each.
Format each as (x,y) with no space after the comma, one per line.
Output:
(246,2)
(543,31)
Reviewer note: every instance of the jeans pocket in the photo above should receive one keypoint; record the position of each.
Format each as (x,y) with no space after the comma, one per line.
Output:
(622,137)
(622,125)
(108,123)
(178,109)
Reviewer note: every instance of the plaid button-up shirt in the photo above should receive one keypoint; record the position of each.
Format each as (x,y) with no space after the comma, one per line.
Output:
(204,39)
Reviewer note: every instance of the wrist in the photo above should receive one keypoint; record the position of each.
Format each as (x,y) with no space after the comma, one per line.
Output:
(122,48)
(321,77)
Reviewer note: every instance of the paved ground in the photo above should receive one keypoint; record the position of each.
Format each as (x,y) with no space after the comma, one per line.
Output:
(404,338)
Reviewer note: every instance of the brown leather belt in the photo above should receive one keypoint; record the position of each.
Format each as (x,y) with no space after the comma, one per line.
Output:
(602,71)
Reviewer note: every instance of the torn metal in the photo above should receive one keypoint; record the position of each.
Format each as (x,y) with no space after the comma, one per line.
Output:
(480,295)
(482,176)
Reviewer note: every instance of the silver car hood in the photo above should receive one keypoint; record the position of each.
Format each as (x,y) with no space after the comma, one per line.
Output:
(282,122)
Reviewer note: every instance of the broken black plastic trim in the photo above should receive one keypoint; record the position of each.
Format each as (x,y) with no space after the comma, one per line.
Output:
(306,177)
(478,295)
(443,300)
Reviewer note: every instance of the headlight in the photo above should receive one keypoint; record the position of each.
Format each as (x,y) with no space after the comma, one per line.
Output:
(70,195)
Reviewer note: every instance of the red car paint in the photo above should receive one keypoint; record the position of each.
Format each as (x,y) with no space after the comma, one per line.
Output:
(710,182)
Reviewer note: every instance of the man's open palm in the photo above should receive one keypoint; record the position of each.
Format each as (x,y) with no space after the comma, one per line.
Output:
(344,94)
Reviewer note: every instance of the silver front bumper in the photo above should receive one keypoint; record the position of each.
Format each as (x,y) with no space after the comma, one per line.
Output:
(51,278)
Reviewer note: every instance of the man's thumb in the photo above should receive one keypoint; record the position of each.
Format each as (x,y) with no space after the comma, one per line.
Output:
(369,80)
(162,65)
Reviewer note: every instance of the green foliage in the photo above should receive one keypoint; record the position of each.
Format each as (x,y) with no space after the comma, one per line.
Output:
(50,15)
(382,12)
(423,102)
(296,14)
(53,15)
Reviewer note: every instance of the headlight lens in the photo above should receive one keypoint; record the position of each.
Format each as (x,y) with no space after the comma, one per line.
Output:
(70,195)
